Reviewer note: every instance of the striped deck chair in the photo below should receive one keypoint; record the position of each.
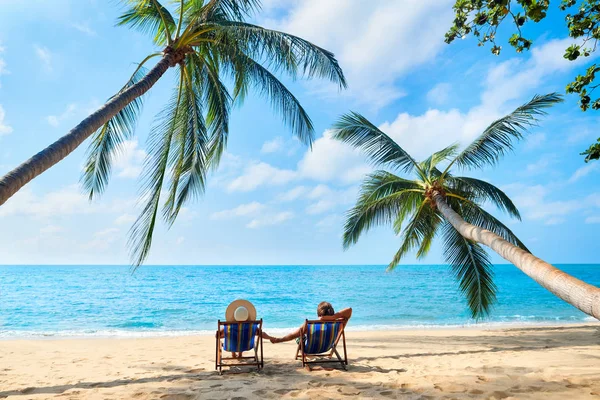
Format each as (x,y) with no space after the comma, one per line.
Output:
(319,342)
(239,337)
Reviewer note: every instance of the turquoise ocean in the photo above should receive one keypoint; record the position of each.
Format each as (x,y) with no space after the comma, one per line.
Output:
(111,301)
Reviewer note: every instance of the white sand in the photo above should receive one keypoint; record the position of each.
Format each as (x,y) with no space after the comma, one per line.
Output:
(542,363)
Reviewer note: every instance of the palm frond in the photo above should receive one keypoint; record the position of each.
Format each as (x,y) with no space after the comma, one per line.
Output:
(484,191)
(189,148)
(383,196)
(249,72)
(430,164)
(155,170)
(420,229)
(218,103)
(472,269)
(498,138)
(149,16)
(282,51)
(380,149)
(477,216)
(108,140)
(233,10)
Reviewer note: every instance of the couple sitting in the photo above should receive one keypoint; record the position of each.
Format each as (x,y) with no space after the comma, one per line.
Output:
(318,336)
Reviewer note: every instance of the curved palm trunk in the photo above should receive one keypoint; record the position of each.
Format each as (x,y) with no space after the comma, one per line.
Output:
(13,181)
(584,296)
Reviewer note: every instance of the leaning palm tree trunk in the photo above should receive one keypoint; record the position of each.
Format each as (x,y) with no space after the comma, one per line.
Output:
(13,181)
(584,296)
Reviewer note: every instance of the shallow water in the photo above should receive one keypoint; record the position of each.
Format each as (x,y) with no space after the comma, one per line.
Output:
(174,300)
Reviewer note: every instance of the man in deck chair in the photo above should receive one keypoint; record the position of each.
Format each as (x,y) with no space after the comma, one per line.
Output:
(319,338)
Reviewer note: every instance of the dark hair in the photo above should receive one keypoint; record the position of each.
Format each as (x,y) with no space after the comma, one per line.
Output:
(324,308)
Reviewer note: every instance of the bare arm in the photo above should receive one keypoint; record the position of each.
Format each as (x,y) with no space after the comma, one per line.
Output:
(346,313)
(290,336)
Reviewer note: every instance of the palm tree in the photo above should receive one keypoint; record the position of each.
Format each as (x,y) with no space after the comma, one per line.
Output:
(438,201)
(209,43)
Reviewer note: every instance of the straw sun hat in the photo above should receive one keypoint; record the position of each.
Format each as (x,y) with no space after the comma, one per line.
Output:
(240,310)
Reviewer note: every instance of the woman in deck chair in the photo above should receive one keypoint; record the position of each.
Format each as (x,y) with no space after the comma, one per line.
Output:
(325,312)
(240,311)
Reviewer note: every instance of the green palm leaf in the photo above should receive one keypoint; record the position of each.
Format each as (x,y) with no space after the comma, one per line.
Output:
(188,150)
(107,141)
(155,170)
(498,138)
(380,149)
(484,191)
(282,100)
(472,269)
(149,16)
(382,197)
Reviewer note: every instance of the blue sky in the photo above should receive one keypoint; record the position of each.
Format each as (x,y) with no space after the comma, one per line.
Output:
(273,201)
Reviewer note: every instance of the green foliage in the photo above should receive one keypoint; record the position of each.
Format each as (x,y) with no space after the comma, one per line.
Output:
(387,199)
(210,45)
(593,153)
(482,18)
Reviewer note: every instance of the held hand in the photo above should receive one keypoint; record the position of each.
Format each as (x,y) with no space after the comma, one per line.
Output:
(274,340)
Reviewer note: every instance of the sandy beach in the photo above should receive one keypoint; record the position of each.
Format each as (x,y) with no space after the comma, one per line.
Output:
(558,362)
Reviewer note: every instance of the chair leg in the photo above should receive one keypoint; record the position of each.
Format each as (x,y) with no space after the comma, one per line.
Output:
(340,360)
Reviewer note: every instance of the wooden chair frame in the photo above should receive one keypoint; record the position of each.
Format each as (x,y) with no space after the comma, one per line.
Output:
(326,357)
(255,360)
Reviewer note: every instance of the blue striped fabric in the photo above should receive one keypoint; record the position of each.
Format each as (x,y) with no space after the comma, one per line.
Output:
(320,337)
(239,337)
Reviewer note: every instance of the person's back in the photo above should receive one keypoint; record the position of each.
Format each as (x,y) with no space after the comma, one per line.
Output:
(325,312)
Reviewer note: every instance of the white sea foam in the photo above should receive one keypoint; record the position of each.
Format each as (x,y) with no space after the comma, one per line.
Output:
(155,333)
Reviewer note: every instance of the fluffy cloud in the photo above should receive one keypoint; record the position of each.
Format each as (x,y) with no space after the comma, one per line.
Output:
(65,201)
(376,41)
(125,219)
(584,171)
(331,160)
(239,211)
(270,219)
(55,120)
(435,129)
(129,162)
(259,174)
(292,194)
(84,28)
(45,56)
(5,129)
(439,94)
(3,69)
(534,203)
(272,146)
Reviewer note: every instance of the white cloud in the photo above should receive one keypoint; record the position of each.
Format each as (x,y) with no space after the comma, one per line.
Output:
(435,129)
(292,194)
(180,240)
(331,160)
(272,146)
(330,221)
(50,229)
(593,220)
(84,28)
(239,211)
(55,120)
(541,165)
(125,219)
(45,57)
(5,129)
(534,141)
(3,69)
(326,199)
(106,232)
(584,171)
(532,201)
(65,201)
(259,174)
(375,41)
(270,219)
(129,162)
(439,94)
